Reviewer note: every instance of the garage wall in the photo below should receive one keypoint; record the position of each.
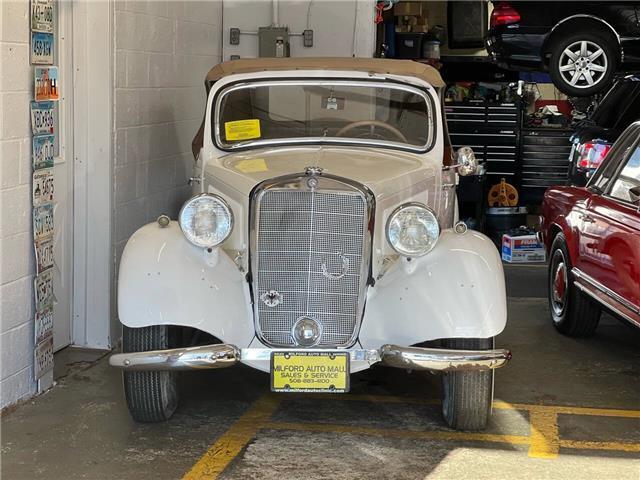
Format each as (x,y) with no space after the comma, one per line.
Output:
(162,53)
(16,244)
(332,22)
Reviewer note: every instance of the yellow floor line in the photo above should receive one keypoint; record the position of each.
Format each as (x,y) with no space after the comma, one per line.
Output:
(569,410)
(231,443)
(497,404)
(585,445)
(391,433)
(545,442)
(449,436)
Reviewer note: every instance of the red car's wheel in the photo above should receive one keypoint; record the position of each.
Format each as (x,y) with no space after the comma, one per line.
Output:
(572,312)
(559,279)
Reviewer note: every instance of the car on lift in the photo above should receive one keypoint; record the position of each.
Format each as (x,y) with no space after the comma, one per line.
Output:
(581,44)
(592,235)
(322,239)
(594,136)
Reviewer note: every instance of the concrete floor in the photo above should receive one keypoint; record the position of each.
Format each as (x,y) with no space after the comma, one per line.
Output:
(565,408)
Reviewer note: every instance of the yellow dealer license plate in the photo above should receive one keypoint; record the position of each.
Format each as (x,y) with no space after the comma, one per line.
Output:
(310,372)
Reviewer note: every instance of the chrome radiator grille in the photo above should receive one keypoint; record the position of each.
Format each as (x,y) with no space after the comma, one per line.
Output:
(310,249)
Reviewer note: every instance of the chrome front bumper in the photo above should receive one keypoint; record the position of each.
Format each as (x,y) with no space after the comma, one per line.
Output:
(225,355)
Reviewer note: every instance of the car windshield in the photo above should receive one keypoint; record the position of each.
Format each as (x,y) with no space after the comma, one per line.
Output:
(321,111)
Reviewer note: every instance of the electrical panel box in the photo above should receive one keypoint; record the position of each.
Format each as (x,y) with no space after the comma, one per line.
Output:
(234,36)
(307,38)
(273,42)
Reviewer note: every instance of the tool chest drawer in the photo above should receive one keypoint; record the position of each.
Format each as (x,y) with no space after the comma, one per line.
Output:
(544,161)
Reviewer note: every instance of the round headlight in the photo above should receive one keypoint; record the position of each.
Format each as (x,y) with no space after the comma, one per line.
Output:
(412,230)
(206,220)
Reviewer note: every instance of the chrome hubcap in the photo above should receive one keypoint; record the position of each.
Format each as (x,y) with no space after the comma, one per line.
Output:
(559,283)
(583,64)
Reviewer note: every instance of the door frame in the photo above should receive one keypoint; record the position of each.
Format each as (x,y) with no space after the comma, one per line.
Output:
(65,155)
(92,127)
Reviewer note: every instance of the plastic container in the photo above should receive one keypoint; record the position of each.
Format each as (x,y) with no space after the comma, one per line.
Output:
(500,220)
(409,44)
(431,49)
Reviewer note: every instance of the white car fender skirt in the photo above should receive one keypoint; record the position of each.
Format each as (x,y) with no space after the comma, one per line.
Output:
(456,290)
(165,280)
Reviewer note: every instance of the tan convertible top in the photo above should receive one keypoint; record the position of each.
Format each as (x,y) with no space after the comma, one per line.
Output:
(375,65)
(407,68)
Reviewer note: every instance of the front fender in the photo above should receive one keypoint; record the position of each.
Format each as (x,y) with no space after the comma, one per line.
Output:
(165,280)
(456,290)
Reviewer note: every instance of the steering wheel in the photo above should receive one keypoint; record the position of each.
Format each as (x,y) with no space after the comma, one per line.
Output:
(373,124)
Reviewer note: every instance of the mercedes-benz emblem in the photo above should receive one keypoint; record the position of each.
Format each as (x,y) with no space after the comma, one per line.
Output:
(271,298)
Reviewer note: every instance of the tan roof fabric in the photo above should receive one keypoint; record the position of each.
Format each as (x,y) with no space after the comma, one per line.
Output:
(375,65)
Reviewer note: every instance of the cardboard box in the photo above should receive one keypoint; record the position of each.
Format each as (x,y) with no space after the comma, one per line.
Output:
(407,8)
(522,249)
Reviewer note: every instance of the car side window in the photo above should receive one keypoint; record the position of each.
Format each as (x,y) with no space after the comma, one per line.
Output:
(606,171)
(628,178)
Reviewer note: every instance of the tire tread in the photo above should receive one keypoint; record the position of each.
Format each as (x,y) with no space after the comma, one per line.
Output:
(467,396)
(151,396)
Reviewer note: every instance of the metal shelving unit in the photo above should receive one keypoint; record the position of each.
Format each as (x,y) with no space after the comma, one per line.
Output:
(544,154)
(492,130)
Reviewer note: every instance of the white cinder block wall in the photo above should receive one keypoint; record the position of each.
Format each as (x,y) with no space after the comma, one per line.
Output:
(16,245)
(162,53)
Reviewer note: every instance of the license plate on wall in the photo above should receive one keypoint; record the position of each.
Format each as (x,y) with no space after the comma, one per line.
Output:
(44,324)
(43,151)
(43,285)
(42,221)
(42,186)
(42,16)
(44,254)
(42,118)
(310,372)
(41,48)
(43,357)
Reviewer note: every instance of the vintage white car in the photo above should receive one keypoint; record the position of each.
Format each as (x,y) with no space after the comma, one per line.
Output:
(322,239)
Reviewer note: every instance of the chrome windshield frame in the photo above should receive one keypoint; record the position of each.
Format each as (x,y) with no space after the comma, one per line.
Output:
(346,141)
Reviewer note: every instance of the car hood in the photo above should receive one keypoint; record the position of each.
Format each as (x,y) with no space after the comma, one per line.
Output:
(383,171)
(587,133)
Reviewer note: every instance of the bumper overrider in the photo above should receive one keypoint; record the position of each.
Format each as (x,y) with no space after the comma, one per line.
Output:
(226,355)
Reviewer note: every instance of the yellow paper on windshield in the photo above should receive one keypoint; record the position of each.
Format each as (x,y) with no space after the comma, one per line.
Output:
(242,129)
(252,166)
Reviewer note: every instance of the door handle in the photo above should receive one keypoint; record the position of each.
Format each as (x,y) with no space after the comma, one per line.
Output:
(587,218)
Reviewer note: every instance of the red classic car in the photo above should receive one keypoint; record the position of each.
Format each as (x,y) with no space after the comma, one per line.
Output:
(592,235)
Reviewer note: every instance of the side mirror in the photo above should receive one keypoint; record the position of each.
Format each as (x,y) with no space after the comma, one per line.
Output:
(466,161)
(634,193)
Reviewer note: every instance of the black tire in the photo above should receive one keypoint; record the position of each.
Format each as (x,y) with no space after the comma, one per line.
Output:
(573,313)
(467,396)
(151,396)
(608,59)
